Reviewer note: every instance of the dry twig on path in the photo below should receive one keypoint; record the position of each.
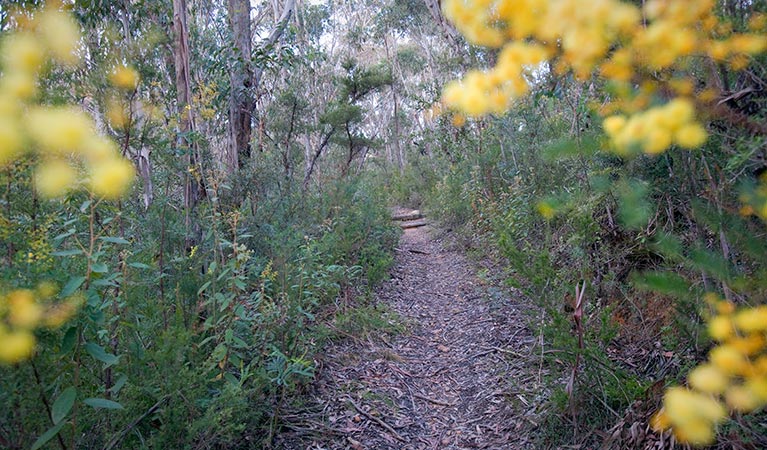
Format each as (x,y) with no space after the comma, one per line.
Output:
(375,419)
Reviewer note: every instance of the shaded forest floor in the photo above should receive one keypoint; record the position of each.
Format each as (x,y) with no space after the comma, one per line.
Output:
(463,375)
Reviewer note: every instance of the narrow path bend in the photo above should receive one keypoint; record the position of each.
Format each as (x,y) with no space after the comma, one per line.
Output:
(461,377)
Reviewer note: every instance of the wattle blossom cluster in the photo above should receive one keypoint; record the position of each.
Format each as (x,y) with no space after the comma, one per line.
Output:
(63,142)
(70,152)
(624,44)
(654,130)
(23,310)
(735,375)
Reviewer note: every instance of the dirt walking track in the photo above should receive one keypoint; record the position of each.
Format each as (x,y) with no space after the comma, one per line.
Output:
(460,377)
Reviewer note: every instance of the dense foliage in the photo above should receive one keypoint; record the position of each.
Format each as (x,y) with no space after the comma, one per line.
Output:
(572,207)
(194,202)
(194,324)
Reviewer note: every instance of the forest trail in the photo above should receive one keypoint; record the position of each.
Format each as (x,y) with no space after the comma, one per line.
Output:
(462,376)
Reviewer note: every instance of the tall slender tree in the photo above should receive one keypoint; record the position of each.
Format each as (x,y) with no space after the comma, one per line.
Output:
(245,78)
(192,176)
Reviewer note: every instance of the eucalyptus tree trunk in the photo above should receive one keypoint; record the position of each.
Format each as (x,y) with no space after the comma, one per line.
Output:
(435,9)
(241,99)
(192,176)
(245,79)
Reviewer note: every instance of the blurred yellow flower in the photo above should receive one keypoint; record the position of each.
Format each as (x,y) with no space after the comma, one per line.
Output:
(741,399)
(18,85)
(111,178)
(117,115)
(459,120)
(124,77)
(55,178)
(546,210)
(61,35)
(22,53)
(752,319)
(16,346)
(728,359)
(720,328)
(59,129)
(691,136)
(708,378)
(23,309)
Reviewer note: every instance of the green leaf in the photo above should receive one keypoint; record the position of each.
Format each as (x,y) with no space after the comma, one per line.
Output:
(119,384)
(634,209)
(68,342)
(669,246)
(99,267)
(102,283)
(115,240)
(588,145)
(63,404)
(65,235)
(711,263)
(102,403)
(72,252)
(219,353)
(72,285)
(100,354)
(663,282)
(47,436)
(138,265)
(203,287)
(231,379)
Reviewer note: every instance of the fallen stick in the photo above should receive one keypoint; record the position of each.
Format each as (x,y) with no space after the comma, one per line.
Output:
(413,224)
(431,400)
(412,215)
(412,250)
(375,419)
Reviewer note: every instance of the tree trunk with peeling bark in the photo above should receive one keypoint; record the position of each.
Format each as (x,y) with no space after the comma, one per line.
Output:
(192,185)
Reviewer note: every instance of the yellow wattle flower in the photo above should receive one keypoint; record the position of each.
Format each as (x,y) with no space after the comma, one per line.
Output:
(708,378)
(99,148)
(739,398)
(23,309)
(752,319)
(61,35)
(614,124)
(728,359)
(18,85)
(23,53)
(124,77)
(16,346)
(117,115)
(678,112)
(11,139)
(59,129)
(111,178)
(757,385)
(696,432)
(55,178)
(691,136)
(660,421)
(720,328)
